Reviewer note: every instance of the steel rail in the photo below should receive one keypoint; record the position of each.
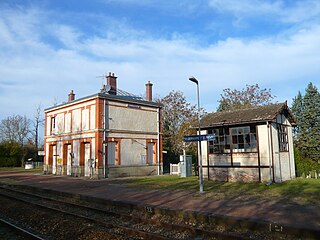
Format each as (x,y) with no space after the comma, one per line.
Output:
(128,230)
(195,232)
(20,230)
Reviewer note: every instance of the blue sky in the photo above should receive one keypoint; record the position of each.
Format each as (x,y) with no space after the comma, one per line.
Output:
(49,47)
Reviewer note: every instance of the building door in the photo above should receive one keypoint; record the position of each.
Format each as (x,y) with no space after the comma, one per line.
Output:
(86,159)
(151,153)
(50,159)
(69,160)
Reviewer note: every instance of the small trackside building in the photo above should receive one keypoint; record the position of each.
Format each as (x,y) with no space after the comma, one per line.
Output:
(251,145)
(108,134)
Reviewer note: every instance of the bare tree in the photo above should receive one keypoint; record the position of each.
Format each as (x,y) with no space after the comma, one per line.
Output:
(37,122)
(15,128)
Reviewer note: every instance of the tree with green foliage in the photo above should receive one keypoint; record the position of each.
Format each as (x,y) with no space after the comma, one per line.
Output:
(10,154)
(307,111)
(297,106)
(177,116)
(251,96)
(304,165)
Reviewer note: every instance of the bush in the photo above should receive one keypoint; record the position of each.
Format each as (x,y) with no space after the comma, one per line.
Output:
(9,154)
(14,155)
(305,165)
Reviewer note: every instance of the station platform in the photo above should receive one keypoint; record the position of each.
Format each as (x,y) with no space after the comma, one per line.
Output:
(282,217)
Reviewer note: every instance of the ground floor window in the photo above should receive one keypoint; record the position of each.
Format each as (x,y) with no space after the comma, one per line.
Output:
(241,139)
(244,139)
(221,143)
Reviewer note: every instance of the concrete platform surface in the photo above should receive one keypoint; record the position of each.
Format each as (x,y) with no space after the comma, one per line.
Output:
(305,218)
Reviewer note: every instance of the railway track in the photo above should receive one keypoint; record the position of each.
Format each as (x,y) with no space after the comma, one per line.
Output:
(12,231)
(123,226)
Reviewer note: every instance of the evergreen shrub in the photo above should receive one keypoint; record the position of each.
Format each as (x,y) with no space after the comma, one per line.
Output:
(304,165)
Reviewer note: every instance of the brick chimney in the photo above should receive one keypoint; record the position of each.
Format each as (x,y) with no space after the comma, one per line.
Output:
(149,91)
(112,82)
(71,96)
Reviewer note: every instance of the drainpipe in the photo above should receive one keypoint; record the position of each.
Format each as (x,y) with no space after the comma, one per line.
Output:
(158,138)
(270,181)
(104,139)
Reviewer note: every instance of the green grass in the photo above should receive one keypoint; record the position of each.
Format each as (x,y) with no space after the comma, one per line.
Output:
(300,191)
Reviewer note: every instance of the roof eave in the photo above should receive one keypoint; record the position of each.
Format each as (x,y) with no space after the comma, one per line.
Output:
(106,96)
(126,99)
(221,124)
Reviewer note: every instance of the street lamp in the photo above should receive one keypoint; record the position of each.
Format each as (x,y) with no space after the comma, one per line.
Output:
(193,79)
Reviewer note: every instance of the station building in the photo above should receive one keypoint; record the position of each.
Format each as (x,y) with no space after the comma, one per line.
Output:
(111,133)
(253,144)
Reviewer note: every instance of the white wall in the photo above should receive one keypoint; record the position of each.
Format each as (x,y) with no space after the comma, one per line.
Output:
(48,126)
(76,152)
(245,159)
(220,159)
(130,126)
(133,152)
(121,117)
(204,148)
(67,123)
(59,123)
(264,148)
(291,152)
(76,120)
(85,121)
(133,126)
(93,117)
(81,117)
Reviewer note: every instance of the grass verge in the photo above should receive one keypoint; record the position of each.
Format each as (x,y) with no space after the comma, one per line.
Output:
(299,190)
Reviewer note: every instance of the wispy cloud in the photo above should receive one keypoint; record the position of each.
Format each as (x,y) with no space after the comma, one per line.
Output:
(177,8)
(277,10)
(246,7)
(43,71)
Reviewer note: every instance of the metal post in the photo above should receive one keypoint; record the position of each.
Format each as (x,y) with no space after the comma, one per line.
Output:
(193,79)
(104,140)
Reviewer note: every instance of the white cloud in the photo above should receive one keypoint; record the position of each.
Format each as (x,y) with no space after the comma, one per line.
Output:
(246,7)
(40,72)
(181,7)
(277,10)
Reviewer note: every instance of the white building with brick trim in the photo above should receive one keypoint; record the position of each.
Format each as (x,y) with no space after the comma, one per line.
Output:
(108,134)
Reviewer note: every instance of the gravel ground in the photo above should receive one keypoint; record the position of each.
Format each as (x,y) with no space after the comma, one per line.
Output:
(54,225)
(60,226)
(51,225)
(10,234)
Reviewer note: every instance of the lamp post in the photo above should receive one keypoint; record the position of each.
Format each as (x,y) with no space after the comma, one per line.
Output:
(193,79)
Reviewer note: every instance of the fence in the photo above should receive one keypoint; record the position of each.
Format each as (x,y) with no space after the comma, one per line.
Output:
(311,174)
(174,169)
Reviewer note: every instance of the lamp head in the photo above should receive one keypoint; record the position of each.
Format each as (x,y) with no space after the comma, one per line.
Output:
(193,79)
